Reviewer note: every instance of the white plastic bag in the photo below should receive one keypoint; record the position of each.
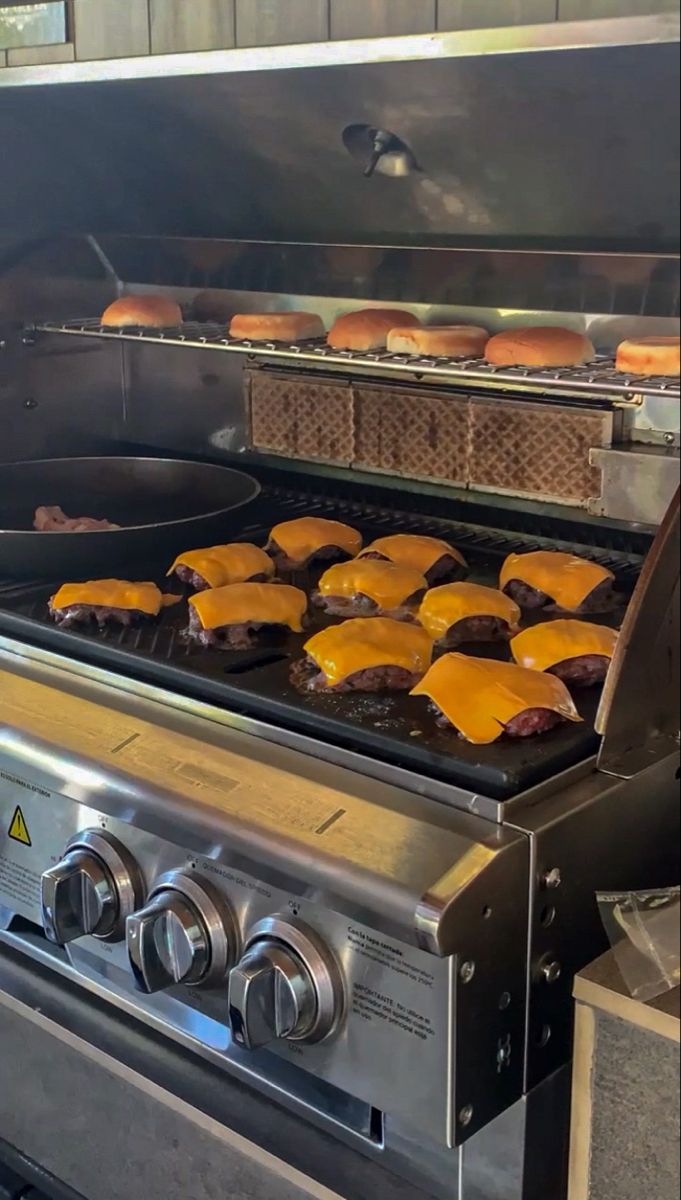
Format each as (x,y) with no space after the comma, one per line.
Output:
(644,930)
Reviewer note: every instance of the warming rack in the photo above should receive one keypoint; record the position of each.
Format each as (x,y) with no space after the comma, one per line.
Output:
(597,379)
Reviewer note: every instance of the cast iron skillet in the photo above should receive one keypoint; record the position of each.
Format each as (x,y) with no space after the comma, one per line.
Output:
(164,505)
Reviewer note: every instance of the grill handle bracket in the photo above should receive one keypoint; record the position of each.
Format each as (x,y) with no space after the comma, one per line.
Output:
(639,717)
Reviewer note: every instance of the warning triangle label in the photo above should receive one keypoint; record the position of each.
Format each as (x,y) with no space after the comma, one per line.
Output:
(18,829)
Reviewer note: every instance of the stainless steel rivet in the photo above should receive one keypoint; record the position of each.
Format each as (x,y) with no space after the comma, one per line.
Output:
(504,1056)
(552,971)
(467,972)
(552,879)
(466,1116)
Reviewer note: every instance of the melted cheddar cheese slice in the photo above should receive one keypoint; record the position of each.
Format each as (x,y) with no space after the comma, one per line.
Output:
(386,583)
(481,696)
(568,580)
(411,550)
(220,565)
(553,642)
(256,603)
(445,606)
(114,593)
(300,540)
(358,645)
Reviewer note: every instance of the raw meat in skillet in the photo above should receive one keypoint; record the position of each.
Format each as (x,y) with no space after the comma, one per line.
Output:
(55,520)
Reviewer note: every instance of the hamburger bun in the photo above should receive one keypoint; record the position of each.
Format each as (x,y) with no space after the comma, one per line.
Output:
(154,312)
(650,356)
(276,326)
(368,329)
(539,346)
(453,341)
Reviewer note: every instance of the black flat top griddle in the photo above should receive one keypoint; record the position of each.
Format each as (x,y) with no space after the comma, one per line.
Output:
(391,727)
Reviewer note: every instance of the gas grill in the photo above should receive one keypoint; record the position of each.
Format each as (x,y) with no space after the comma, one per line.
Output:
(314,932)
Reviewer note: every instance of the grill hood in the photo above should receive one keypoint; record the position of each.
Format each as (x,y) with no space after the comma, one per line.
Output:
(559,136)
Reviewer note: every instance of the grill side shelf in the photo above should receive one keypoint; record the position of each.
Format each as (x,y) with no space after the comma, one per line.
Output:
(596,380)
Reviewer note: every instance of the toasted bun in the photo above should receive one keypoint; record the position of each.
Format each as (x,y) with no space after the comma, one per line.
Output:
(454,341)
(540,346)
(156,312)
(650,356)
(276,326)
(368,329)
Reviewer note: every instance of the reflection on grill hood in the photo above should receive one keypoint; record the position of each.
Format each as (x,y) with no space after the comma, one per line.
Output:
(561,148)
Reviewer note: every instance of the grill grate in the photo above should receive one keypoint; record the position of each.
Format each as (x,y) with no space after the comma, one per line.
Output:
(596,379)
(391,728)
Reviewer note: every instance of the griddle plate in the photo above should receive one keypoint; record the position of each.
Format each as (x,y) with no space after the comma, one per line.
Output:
(394,728)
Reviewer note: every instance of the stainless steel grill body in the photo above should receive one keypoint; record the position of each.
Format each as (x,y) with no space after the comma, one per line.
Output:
(422,908)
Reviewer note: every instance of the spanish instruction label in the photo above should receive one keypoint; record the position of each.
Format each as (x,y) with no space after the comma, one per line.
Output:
(371,1005)
(371,947)
(18,883)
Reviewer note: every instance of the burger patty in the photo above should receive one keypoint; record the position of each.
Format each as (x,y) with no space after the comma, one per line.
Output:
(306,676)
(199,584)
(446,570)
(476,629)
(85,614)
(241,636)
(363,606)
(526,596)
(532,721)
(329,554)
(528,723)
(601,599)
(584,670)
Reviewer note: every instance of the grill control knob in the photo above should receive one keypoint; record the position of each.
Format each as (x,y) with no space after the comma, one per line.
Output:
(287,986)
(91,891)
(185,934)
